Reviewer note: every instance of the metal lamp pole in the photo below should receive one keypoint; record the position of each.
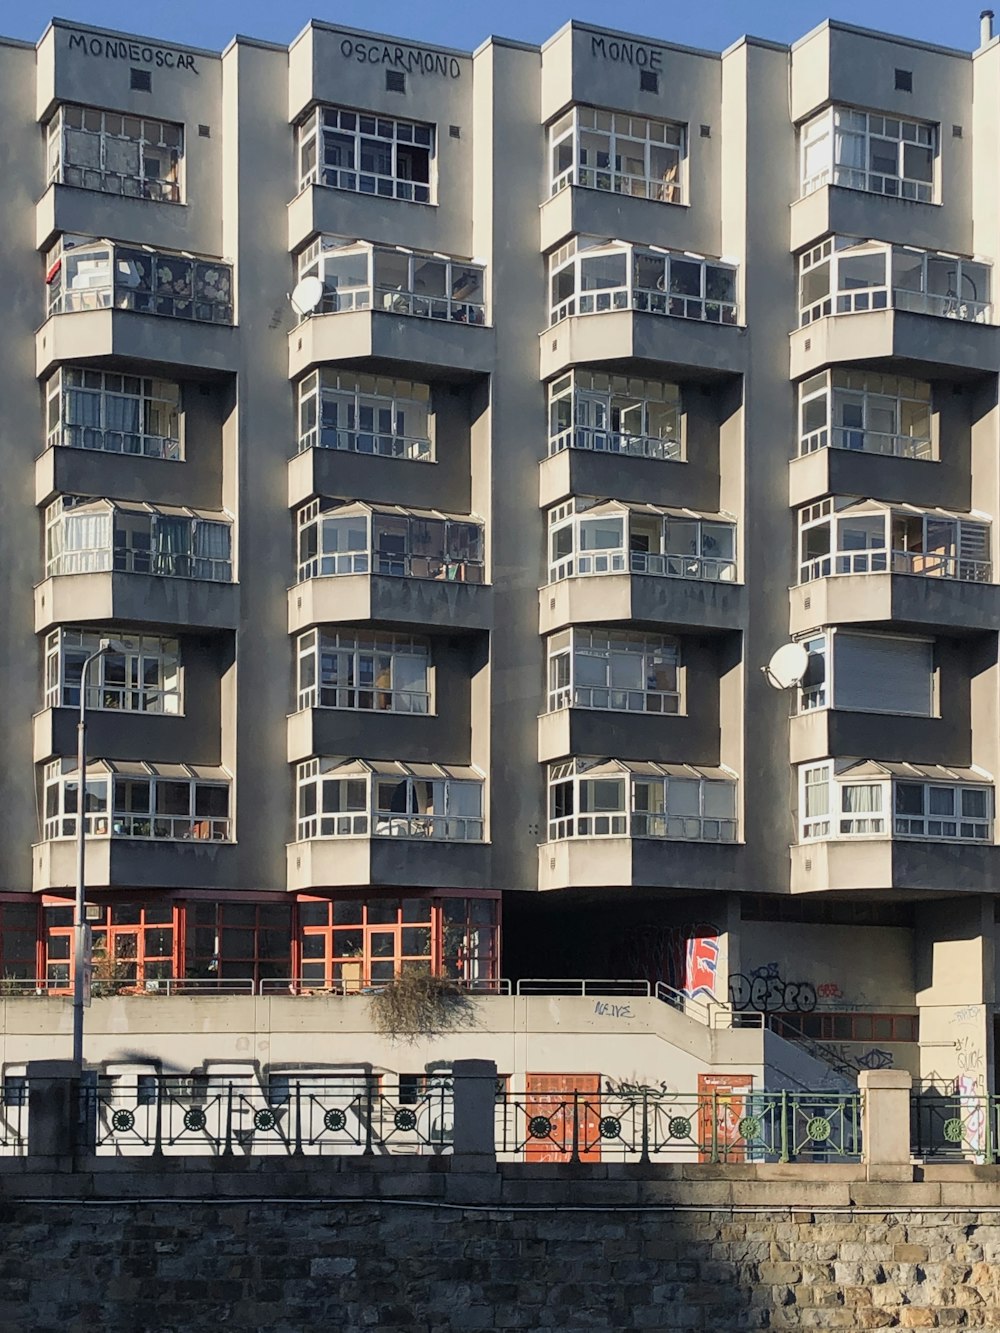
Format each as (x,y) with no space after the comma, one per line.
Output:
(79,917)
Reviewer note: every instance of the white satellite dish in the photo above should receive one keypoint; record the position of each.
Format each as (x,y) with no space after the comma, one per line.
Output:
(787,666)
(307,295)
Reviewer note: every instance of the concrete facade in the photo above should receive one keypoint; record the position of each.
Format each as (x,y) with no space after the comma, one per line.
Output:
(360,534)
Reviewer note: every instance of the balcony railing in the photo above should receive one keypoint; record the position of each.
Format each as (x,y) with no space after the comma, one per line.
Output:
(926,564)
(385,824)
(101,275)
(868,442)
(614,442)
(624,824)
(712,569)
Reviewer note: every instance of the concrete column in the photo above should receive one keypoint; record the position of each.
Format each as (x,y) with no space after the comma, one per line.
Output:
(475,1108)
(885,1123)
(53,1108)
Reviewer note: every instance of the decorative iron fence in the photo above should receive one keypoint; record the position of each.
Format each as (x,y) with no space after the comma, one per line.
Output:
(213,1116)
(959,1125)
(723,1125)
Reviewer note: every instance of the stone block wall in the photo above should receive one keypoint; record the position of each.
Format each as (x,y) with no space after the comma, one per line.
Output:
(430,1245)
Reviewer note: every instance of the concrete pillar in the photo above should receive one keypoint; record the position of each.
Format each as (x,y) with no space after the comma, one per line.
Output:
(885,1123)
(475,1083)
(53,1108)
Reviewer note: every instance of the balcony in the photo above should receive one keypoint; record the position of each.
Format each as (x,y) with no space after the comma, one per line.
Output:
(871,562)
(642,294)
(610,821)
(875,825)
(612,562)
(136,564)
(147,825)
(416,313)
(140,306)
(360,563)
(911,311)
(361,822)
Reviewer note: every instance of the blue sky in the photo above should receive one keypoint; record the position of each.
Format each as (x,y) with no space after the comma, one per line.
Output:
(714,25)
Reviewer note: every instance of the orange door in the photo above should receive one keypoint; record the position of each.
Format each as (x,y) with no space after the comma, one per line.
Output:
(548,1117)
(722,1098)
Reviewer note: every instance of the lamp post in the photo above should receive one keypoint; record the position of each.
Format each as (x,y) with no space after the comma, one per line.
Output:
(79,917)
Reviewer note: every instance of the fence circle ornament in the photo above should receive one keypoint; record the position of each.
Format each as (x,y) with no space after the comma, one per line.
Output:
(952,1131)
(122,1121)
(405,1119)
(539,1127)
(335,1120)
(611,1127)
(679,1127)
(818,1128)
(264,1120)
(748,1128)
(194,1118)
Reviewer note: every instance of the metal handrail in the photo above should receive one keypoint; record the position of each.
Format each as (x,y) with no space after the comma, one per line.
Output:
(582,986)
(368,986)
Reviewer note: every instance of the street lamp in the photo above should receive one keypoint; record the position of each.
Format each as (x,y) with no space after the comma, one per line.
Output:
(105,647)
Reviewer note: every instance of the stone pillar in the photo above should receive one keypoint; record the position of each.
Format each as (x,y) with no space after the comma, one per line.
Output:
(53,1109)
(475,1083)
(885,1123)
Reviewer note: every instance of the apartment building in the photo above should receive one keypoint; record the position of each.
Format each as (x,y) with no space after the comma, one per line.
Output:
(445,442)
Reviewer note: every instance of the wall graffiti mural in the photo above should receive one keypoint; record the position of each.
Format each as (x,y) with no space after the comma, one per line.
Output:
(685,957)
(765,991)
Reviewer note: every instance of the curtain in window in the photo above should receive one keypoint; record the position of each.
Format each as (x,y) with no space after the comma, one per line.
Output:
(121,414)
(211,549)
(172,545)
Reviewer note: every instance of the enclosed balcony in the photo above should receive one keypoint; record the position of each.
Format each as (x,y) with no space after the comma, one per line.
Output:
(373,289)
(627,283)
(360,562)
(608,432)
(120,297)
(608,821)
(361,822)
(867,824)
(868,561)
(611,561)
(895,287)
(136,564)
(149,825)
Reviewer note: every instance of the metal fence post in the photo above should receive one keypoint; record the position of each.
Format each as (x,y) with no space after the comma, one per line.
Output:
(644,1155)
(369,1111)
(227,1150)
(714,1155)
(784,1126)
(298,1118)
(158,1121)
(575,1153)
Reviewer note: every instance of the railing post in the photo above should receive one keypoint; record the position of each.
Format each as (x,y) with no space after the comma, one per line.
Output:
(644,1155)
(575,1152)
(158,1121)
(369,1111)
(714,1156)
(298,1118)
(56,1110)
(474,1093)
(227,1150)
(885,1123)
(784,1126)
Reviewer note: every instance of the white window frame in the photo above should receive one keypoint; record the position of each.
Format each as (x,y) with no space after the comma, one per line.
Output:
(656,655)
(924,560)
(875,814)
(361,132)
(81,537)
(577,809)
(117,682)
(833,281)
(459,560)
(648,279)
(365,414)
(350,791)
(157,144)
(822,694)
(152,398)
(827,395)
(572,554)
(623,163)
(375,662)
(616,414)
(357,275)
(112,818)
(825,138)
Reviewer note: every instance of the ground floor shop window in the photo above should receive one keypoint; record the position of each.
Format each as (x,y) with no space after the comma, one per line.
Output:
(241,941)
(352,942)
(133,944)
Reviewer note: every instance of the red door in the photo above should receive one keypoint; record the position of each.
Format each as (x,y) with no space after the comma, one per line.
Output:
(548,1117)
(722,1098)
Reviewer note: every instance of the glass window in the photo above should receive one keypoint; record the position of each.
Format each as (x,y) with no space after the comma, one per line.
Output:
(620,153)
(687,808)
(175,808)
(380,156)
(625,671)
(363,670)
(866,151)
(615,414)
(145,678)
(867,411)
(120,414)
(365,414)
(116,154)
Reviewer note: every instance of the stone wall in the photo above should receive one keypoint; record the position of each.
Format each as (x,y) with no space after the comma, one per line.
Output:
(429,1245)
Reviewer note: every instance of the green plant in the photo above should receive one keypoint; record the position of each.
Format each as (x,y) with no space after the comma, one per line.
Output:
(418,1004)
(109,975)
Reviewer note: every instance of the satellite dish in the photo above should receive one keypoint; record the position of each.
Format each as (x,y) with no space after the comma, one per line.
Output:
(307,295)
(787,666)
